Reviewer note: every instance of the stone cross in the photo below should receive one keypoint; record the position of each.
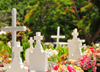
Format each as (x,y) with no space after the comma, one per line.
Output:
(38,37)
(74,33)
(75,46)
(58,35)
(17,51)
(31,41)
(16,63)
(14,28)
(38,57)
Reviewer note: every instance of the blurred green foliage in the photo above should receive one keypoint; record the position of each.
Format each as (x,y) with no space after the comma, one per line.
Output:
(5,48)
(46,16)
(90,16)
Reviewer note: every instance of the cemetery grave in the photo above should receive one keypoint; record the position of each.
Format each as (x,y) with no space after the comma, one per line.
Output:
(75,57)
(58,36)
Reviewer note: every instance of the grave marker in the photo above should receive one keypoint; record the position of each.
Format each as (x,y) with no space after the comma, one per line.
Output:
(14,28)
(16,65)
(75,46)
(58,35)
(38,57)
(31,41)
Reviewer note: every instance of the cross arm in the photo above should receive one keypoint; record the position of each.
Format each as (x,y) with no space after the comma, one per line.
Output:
(61,36)
(57,36)
(14,28)
(23,28)
(14,49)
(53,36)
(6,28)
(41,37)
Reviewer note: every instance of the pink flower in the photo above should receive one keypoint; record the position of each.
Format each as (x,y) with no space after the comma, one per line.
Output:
(85,56)
(87,66)
(92,50)
(94,68)
(91,47)
(86,62)
(71,69)
(62,70)
(55,67)
(96,52)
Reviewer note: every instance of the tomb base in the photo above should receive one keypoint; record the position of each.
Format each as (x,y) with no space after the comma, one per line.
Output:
(17,68)
(36,71)
(10,69)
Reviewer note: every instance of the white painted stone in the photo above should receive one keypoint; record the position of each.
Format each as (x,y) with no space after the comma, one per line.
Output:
(38,57)
(75,46)
(14,28)
(16,65)
(31,41)
(58,35)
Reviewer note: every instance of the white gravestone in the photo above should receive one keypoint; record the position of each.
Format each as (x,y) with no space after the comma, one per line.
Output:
(38,57)
(58,35)
(14,29)
(75,46)
(16,63)
(31,41)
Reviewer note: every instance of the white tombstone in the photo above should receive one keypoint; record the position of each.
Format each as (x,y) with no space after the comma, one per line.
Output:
(58,35)
(14,28)
(31,41)
(75,46)
(16,63)
(38,57)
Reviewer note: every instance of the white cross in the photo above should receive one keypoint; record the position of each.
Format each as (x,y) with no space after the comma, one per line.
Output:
(38,37)
(17,49)
(31,41)
(58,33)
(74,33)
(14,28)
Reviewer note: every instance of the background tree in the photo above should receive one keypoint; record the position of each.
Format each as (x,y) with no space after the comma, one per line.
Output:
(89,23)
